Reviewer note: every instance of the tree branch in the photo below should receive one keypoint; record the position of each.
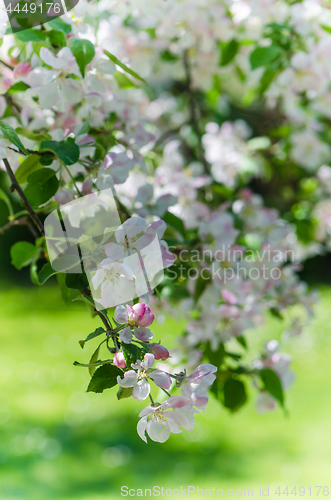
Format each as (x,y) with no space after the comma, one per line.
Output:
(25,221)
(87,293)
(16,187)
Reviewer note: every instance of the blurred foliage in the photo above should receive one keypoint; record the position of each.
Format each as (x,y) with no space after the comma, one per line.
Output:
(59,442)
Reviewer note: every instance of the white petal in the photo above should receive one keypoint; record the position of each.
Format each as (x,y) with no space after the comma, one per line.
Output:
(143,334)
(141,390)
(121,314)
(157,431)
(162,379)
(126,335)
(148,361)
(141,428)
(129,380)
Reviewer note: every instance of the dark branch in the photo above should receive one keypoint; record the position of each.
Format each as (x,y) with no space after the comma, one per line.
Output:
(24,221)
(194,113)
(16,187)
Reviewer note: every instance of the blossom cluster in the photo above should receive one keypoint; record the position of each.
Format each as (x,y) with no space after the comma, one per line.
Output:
(196,100)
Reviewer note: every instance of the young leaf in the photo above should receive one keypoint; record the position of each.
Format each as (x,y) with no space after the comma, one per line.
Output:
(131,353)
(215,357)
(46,272)
(124,392)
(67,151)
(94,359)
(28,166)
(123,81)
(11,134)
(121,65)
(31,35)
(261,56)
(65,291)
(23,253)
(105,377)
(59,25)
(18,87)
(6,199)
(228,52)
(175,222)
(234,394)
(96,333)
(83,50)
(77,281)
(42,185)
(201,284)
(272,384)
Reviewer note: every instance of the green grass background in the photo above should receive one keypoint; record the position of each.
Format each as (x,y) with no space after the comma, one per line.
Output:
(58,442)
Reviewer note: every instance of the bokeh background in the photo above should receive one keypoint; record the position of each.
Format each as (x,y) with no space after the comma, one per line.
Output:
(59,442)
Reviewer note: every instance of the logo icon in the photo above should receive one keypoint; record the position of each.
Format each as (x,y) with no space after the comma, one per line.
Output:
(121,261)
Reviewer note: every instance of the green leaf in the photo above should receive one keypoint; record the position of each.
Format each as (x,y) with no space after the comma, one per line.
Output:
(201,284)
(42,185)
(18,87)
(83,50)
(23,253)
(105,377)
(234,394)
(59,25)
(123,66)
(34,136)
(28,166)
(123,81)
(228,52)
(31,36)
(242,341)
(94,365)
(11,134)
(65,291)
(272,384)
(215,357)
(46,272)
(67,151)
(261,56)
(124,392)
(93,360)
(96,333)
(175,222)
(6,199)
(57,38)
(77,281)
(34,273)
(327,28)
(131,353)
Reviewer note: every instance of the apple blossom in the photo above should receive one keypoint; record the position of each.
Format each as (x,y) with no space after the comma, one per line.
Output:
(195,385)
(138,379)
(159,421)
(119,360)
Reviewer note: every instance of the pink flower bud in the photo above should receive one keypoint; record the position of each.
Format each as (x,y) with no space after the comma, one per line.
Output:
(119,360)
(87,186)
(143,314)
(22,70)
(64,196)
(160,352)
(4,84)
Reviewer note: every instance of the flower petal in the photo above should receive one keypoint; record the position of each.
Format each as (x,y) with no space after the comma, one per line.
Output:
(129,380)
(141,390)
(143,334)
(148,361)
(121,314)
(158,431)
(126,335)
(141,428)
(162,379)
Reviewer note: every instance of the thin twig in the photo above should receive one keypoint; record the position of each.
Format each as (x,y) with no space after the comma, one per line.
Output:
(6,64)
(16,187)
(25,221)
(87,293)
(194,113)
